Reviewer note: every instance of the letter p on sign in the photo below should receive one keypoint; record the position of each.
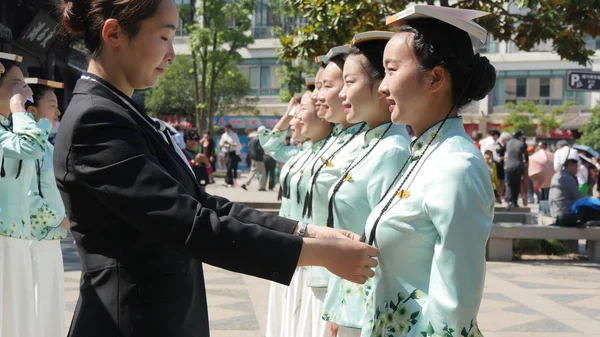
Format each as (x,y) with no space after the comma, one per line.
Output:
(575,78)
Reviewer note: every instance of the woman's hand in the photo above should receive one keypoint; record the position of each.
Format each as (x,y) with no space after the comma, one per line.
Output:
(348,259)
(285,120)
(66,224)
(18,96)
(333,329)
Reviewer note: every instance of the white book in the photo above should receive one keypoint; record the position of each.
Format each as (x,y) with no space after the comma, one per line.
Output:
(11,57)
(457,17)
(371,35)
(335,51)
(49,83)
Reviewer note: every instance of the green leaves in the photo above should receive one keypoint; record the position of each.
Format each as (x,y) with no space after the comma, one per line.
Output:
(591,131)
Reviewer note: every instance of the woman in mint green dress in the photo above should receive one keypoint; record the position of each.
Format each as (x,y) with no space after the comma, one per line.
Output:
(432,226)
(23,141)
(373,170)
(282,318)
(48,225)
(335,158)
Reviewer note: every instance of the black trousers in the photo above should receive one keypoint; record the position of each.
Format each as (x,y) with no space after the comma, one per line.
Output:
(231,160)
(514,178)
(270,165)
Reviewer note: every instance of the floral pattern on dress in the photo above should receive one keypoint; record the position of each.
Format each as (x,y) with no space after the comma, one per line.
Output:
(473,331)
(41,224)
(394,319)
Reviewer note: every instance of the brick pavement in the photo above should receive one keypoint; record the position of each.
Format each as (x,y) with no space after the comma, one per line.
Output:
(521,299)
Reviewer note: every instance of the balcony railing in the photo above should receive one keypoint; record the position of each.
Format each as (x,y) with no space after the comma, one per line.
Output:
(262,32)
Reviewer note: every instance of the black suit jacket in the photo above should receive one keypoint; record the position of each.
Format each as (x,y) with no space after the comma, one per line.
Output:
(143,226)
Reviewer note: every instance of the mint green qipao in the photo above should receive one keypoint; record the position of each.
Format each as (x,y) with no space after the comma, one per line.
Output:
(335,159)
(372,172)
(432,241)
(23,141)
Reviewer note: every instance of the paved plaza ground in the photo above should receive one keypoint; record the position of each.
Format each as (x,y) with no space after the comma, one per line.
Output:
(521,299)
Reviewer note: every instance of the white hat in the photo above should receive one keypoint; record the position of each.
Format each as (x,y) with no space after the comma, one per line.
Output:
(457,17)
(573,154)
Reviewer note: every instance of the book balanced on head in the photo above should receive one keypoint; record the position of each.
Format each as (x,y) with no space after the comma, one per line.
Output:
(457,17)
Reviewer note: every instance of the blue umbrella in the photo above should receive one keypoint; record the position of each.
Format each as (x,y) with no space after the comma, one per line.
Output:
(586,149)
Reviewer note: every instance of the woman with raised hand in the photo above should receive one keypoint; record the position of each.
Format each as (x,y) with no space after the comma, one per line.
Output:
(49,223)
(373,170)
(432,226)
(282,316)
(142,224)
(23,141)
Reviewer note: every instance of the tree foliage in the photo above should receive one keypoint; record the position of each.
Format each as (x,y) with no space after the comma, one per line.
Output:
(591,131)
(525,114)
(174,93)
(527,23)
(216,39)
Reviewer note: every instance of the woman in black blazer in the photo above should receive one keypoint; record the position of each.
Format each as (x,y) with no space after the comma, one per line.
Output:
(142,224)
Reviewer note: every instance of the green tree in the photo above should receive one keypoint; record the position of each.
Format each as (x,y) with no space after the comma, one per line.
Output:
(527,23)
(524,115)
(174,93)
(591,131)
(216,39)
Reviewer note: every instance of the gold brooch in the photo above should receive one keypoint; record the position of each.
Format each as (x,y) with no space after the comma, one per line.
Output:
(301,171)
(347,177)
(329,164)
(403,194)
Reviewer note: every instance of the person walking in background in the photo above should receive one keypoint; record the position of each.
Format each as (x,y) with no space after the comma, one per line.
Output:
(515,160)
(230,145)
(489,160)
(257,154)
(207,147)
(270,166)
(499,153)
(476,136)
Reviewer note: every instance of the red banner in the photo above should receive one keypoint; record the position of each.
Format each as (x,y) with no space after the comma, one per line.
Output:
(470,128)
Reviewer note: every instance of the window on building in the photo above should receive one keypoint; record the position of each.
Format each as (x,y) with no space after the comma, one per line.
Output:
(544,87)
(264,20)
(261,74)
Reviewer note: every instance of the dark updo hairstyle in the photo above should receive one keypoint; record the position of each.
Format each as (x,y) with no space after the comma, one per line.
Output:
(39,91)
(87,17)
(8,65)
(370,54)
(339,60)
(436,43)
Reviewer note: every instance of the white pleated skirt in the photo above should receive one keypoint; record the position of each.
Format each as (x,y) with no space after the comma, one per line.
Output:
(48,282)
(311,313)
(283,314)
(17,304)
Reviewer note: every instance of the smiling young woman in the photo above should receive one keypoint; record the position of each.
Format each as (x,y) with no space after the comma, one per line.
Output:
(142,224)
(362,185)
(432,225)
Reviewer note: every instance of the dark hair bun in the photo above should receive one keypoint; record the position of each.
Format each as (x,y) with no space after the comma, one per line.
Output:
(73,16)
(483,78)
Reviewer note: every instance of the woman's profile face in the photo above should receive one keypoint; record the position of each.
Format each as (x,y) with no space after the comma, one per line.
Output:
(317,92)
(403,85)
(145,57)
(331,102)
(47,106)
(308,119)
(359,94)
